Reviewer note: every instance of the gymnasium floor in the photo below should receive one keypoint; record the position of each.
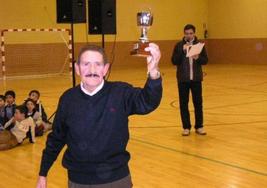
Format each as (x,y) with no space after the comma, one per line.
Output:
(232,155)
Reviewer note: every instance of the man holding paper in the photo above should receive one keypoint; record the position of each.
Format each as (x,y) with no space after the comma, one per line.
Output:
(189,55)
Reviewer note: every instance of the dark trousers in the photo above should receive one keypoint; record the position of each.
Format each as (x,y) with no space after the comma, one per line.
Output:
(7,140)
(196,91)
(122,183)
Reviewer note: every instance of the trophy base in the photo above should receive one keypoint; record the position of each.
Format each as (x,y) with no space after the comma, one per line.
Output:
(139,49)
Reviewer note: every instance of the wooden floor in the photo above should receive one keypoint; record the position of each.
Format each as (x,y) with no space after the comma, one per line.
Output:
(232,155)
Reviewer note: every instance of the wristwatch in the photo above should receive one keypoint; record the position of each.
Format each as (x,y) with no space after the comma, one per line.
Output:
(157,76)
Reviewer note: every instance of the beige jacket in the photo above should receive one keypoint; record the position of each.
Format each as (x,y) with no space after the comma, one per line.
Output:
(21,128)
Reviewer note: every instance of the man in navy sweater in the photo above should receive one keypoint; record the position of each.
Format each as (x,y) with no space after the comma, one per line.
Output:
(92,120)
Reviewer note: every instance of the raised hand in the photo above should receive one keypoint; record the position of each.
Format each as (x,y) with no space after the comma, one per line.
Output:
(153,60)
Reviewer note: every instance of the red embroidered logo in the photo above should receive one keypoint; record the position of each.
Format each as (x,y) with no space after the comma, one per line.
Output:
(112,109)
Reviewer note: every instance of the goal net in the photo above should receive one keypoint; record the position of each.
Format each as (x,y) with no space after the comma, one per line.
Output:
(30,53)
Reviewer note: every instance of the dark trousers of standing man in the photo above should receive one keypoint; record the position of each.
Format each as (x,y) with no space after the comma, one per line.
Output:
(196,91)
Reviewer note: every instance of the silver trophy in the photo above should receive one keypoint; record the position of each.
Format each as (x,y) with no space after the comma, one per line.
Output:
(144,21)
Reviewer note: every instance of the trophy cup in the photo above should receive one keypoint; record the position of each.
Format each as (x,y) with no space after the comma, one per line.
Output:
(144,21)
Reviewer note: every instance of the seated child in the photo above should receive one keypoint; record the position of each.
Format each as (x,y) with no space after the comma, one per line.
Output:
(36,116)
(35,95)
(10,106)
(2,111)
(16,135)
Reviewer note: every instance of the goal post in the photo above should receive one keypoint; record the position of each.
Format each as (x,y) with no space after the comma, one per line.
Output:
(33,52)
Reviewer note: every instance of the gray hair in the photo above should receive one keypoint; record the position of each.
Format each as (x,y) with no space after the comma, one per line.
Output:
(94,48)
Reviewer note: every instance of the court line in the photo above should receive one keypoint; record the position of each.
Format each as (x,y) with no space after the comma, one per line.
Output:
(258,84)
(207,125)
(153,127)
(199,157)
(237,88)
(235,114)
(236,123)
(172,104)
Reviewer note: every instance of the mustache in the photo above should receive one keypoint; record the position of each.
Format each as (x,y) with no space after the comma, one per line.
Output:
(92,75)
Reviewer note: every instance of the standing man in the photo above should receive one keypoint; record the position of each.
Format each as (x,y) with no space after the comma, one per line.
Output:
(189,77)
(92,120)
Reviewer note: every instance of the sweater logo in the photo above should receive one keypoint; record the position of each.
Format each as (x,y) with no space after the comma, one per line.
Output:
(112,109)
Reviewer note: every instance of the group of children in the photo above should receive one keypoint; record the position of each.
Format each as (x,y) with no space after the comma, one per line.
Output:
(18,122)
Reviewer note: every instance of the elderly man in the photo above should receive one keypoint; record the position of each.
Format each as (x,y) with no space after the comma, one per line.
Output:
(92,120)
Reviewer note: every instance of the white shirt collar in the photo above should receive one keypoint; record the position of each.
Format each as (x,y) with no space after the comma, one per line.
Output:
(192,41)
(93,92)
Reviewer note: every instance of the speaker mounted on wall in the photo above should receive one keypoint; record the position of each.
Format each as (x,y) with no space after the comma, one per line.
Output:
(102,16)
(71,11)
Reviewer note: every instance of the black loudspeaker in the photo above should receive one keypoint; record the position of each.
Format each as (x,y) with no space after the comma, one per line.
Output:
(102,16)
(71,11)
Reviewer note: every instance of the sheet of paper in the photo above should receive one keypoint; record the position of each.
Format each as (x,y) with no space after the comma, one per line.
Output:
(194,49)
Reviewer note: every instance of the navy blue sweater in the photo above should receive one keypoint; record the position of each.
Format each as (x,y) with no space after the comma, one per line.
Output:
(95,130)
